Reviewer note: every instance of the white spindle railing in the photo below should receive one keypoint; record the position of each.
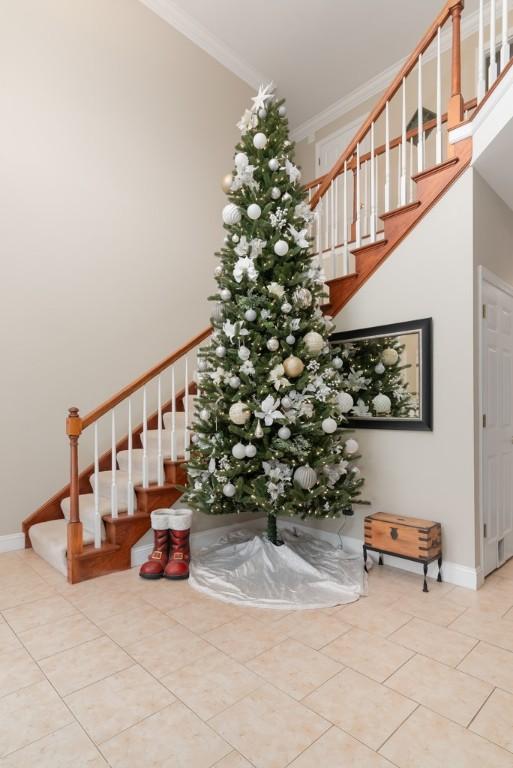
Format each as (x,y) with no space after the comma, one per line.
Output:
(358,199)
(145,481)
(402,196)
(387,158)
(97,516)
(114,466)
(160,458)
(372,217)
(492,69)
(130,464)
(173,416)
(505,48)
(346,225)
(186,409)
(438,134)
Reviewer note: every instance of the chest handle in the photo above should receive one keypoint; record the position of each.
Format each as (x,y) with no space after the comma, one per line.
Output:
(393,533)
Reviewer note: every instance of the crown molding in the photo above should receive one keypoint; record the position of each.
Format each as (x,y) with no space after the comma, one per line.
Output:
(376,85)
(170,12)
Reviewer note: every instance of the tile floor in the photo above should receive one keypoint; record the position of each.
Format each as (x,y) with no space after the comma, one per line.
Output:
(131,674)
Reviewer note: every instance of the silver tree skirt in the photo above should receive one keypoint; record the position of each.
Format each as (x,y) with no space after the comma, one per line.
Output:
(305,572)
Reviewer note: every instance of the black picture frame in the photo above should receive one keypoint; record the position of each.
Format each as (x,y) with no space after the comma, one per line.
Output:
(424,327)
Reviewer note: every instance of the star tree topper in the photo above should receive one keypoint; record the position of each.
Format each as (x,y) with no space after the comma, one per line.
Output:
(265,93)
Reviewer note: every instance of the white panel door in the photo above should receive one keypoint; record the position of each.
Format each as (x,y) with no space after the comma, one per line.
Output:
(328,150)
(497,378)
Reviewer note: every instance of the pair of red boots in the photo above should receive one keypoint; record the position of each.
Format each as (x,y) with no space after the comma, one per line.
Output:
(171,553)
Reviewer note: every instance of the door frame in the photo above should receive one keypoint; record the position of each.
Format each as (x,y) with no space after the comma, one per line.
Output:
(353,126)
(484,276)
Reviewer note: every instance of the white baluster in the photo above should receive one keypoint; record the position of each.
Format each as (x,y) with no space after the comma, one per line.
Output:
(365,199)
(130,483)
(113,466)
(504,42)
(492,69)
(160,463)
(173,415)
(387,159)
(318,233)
(187,435)
(327,221)
(420,127)
(346,250)
(334,225)
(402,195)
(481,80)
(411,171)
(372,217)
(358,199)
(376,196)
(399,166)
(145,482)
(438,135)
(97,518)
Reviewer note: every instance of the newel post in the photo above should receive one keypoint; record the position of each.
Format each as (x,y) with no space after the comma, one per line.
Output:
(455,108)
(75,533)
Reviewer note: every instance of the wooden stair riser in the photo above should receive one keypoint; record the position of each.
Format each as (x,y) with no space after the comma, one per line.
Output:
(126,530)
(156,497)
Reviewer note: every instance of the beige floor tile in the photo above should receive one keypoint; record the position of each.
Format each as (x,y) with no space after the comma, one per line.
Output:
(46,611)
(338,749)
(200,616)
(294,668)
(117,702)
(100,606)
(429,608)
(449,692)
(439,643)
(233,760)
(171,738)
(496,597)
(267,615)
(506,572)
(30,714)
(486,626)
(57,637)
(313,628)
(269,728)
(491,664)
(68,747)
(8,640)
(20,594)
(367,710)
(495,720)
(17,670)
(371,618)
(166,595)
(428,740)
(69,671)
(137,623)
(371,655)
(245,638)
(212,684)
(165,652)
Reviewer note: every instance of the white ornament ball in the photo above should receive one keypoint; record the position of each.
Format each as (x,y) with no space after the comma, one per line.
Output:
(286,402)
(235,238)
(239,413)
(273,344)
(290,339)
(254,211)
(225,294)
(275,193)
(313,342)
(239,451)
(259,140)
(281,247)
(351,446)
(345,401)
(305,477)
(231,214)
(329,426)
(286,197)
(286,308)
(250,315)
(282,111)
(337,362)
(379,368)
(241,160)
(204,414)
(220,351)
(250,451)
(262,114)
(284,433)
(218,271)
(234,382)
(382,403)
(389,356)
(244,353)
(273,164)
(229,490)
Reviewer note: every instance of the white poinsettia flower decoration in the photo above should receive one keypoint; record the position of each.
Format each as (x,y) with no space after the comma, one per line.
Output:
(269,410)
(276,289)
(244,266)
(218,375)
(229,329)
(257,246)
(244,178)
(299,236)
(303,211)
(360,409)
(242,247)
(265,314)
(277,376)
(247,368)
(248,121)
(294,324)
(292,171)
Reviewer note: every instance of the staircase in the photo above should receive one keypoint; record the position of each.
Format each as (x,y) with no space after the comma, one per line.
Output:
(388,178)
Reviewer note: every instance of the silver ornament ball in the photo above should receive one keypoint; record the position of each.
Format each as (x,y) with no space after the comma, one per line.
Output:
(351,446)
(250,315)
(244,353)
(239,451)
(282,111)
(273,344)
(204,414)
(290,339)
(379,368)
(239,413)
(251,451)
(305,477)
(284,433)
(225,294)
(259,140)
(329,426)
(286,402)
(254,211)
(314,342)
(337,362)
(229,490)
(275,193)
(273,164)
(382,404)
(281,248)
(220,351)
(234,382)
(345,402)
(286,308)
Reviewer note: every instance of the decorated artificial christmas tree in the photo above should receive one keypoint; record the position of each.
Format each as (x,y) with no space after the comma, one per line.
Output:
(267,434)
(373,374)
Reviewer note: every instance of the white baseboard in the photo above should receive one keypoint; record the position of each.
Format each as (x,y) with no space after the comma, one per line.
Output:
(453,573)
(11,542)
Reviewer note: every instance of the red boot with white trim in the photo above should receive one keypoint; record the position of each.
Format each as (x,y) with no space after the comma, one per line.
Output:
(179,551)
(157,561)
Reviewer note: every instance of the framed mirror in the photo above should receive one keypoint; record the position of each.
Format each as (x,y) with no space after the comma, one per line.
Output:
(387,372)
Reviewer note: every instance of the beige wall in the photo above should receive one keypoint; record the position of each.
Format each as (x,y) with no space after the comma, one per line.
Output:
(427,474)
(115,132)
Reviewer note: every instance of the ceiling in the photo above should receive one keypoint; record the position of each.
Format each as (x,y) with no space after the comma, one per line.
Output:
(316,52)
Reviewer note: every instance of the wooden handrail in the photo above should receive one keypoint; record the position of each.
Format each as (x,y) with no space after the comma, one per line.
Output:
(111,403)
(393,88)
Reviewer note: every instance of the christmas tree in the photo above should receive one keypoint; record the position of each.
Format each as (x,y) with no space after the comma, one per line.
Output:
(373,375)
(267,435)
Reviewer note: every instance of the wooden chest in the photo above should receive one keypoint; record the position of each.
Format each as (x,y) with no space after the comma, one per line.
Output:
(408,537)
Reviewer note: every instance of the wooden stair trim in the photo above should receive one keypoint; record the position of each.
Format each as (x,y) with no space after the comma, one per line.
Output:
(369,247)
(435,169)
(400,210)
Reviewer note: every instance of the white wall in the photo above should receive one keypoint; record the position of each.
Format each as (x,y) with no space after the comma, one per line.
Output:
(115,133)
(427,474)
